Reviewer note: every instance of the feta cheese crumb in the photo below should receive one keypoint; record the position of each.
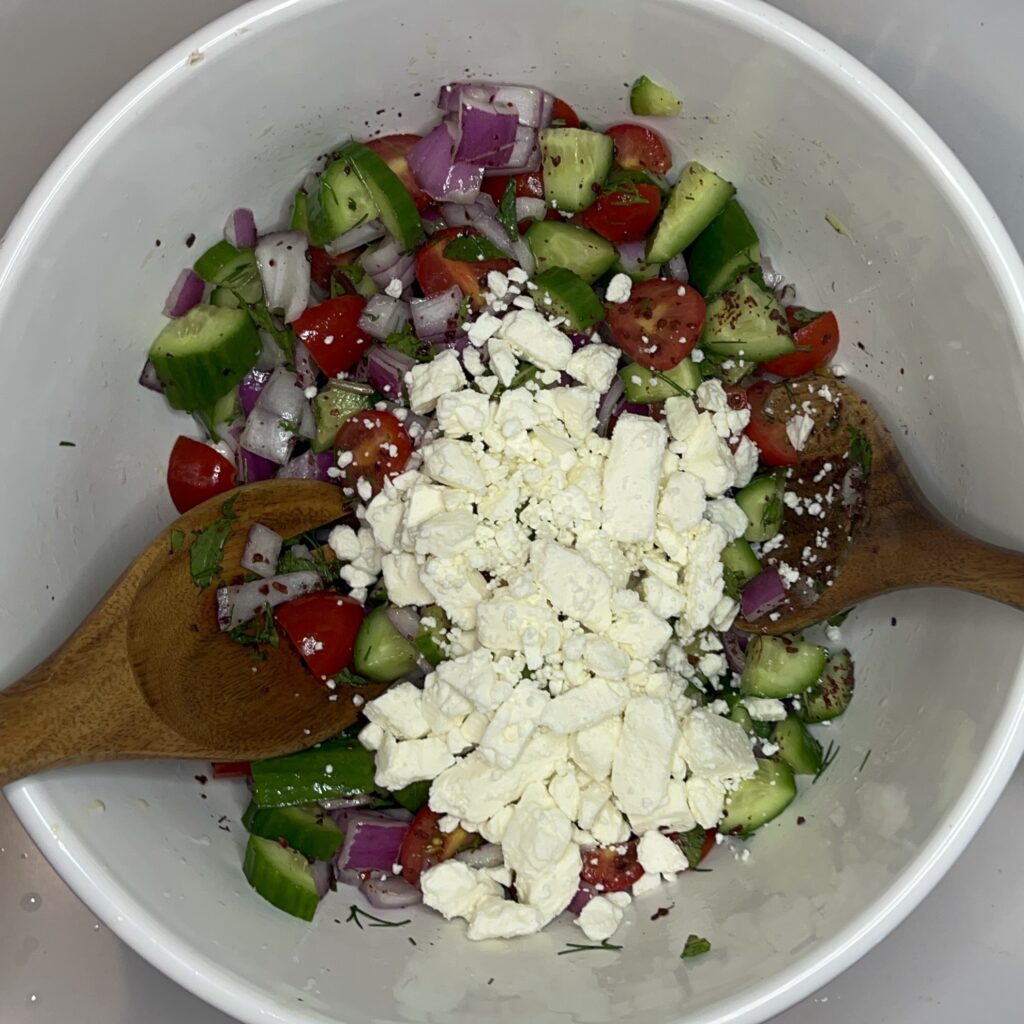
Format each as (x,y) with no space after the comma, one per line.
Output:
(619,288)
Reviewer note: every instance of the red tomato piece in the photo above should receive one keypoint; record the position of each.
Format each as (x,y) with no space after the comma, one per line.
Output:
(614,871)
(379,445)
(436,273)
(709,843)
(393,150)
(638,147)
(656,326)
(768,431)
(816,337)
(196,472)
(563,116)
(332,333)
(322,627)
(323,268)
(624,213)
(425,844)
(529,185)
(231,769)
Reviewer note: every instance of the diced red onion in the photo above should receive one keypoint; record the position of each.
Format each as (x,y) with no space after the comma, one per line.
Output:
(786,295)
(531,208)
(524,156)
(307,424)
(308,466)
(149,379)
(384,315)
(405,620)
(270,429)
(262,550)
(530,102)
(486,132)
(547,109)
(240,229)
(372,842)
(609,400)
(321,871)
(271,354)
(677,269)
(489,227)
(487,856)
(187,292)
(432,219)
(523,255)
(397,814)
(305,368)
(378,261)
(636,408)
(362,234)
(584,894)
(436,313)
(386,368)
(454,340)
(254,468)
(735,646)
(250,387)
(285,272)
(391,893)
(242,602)
(632,256)
(438,173)
(762,594)
(349,876)
(772,278)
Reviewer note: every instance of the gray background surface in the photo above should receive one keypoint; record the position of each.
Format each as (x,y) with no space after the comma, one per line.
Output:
(959,65)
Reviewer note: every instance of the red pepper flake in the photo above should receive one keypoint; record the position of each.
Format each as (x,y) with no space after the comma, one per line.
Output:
(201,779)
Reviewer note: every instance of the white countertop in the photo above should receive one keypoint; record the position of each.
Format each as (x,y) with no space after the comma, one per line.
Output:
(959,65)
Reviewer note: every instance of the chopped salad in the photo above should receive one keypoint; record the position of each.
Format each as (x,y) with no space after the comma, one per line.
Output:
(535,361)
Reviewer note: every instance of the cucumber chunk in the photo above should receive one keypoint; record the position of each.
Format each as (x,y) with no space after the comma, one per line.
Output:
(741,716)
(797,747)
(563,293)
(697,198)
(761,499)
(759,799)
(381,652)
(303,778)
(781,666)
(746,322)
(340,202)
(339,400)
(648,386)
(221,296)
(413,796)
(576,162)
(299,220)
(649,99)
(739,566)
(309,830)
(429,641)
(394,204)
(833,692)
(281,876)
(202,355)
(234,269)
(584,252)
(726,248)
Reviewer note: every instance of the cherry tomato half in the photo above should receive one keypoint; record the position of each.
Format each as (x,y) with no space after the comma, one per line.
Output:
(638,147)
(816,336)
(393,150)
(768,431)
(231,769)
(323,267)
(529,185)
(425,844)
(436,273)
(322,627)
(610,869)
(379,445)
(332,333)
(196,472)
(563,116)
(656,326)
(624,213)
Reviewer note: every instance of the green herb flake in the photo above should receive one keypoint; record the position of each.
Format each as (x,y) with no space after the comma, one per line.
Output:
(206,552)
(264,320)
(472,249)
(258,631)
(356,916)
(66,444)
(346,677)
(831,753)
(836,224)
(695,946)
(692,845)
(771,512)
(408,344)
(177,541)
(579,947)
(507,212)
(864,762)
(860,450)
(839,618)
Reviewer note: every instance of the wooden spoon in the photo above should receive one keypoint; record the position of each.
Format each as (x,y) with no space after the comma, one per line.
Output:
(884,536)
(149,674)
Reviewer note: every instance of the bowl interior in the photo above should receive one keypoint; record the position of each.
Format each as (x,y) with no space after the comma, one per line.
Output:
(931,329)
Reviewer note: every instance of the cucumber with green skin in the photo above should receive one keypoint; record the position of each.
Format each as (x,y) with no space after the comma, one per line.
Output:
(560,292)
(395,206)
(726,248)
(201,356)
(747,323)
(761,500)
(281,876)
(339,400)
(648,386)
(235,269)
(832,694)
(739,565)
(797,747)
(758,800)
(648,99)
(558,244)
(340,202)
(333,770)
(310,830)
(781,666)
(576,163)
(381,653)
(697,198)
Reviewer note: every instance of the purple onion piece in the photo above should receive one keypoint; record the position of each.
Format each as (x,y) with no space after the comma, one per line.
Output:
(386,369)
(487,856)
(242,602)
(285,272)
(762,594)
(262,550)
(186,293)
(609,400)
(308,466)
(391,893)
(250,387)
(240,229)
(486,132)
(735,645)
(438,173)
(372,842)
(321,871)
(255,468)
(405,620)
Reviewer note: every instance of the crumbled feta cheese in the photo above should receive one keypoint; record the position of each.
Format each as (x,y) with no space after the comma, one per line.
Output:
(798,430)
(632,475)
(594,365)
(429,381)
(600,918)
(619,288)
(657,853)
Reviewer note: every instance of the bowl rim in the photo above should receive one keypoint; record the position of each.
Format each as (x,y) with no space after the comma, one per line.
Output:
(91,880)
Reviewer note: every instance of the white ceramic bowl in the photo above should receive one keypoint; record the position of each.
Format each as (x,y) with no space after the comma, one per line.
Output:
(928,291)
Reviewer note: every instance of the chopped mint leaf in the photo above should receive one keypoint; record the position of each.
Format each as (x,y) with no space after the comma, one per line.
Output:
(472,249)
(695,946)
(177,541)
(860,450)
(260,630)
(692,844)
